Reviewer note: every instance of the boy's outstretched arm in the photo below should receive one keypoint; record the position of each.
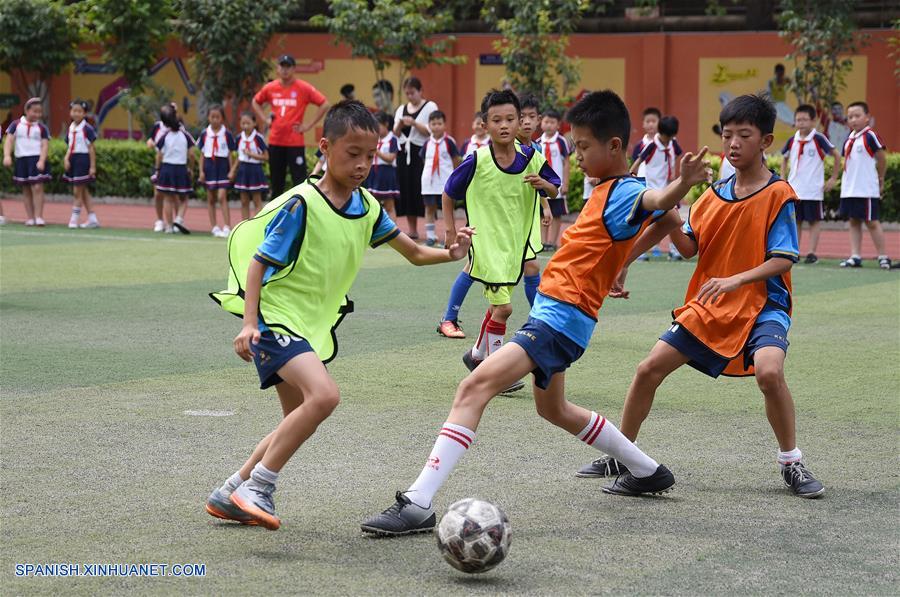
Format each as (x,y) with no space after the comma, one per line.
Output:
(448,206)
(694,170)
(716,287)
(422,255)
(667,223)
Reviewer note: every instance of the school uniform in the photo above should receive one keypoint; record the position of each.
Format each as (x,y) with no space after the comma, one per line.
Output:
(556,151)
(173,173)
(659,159)
(216,146)
(437,156)
(472,144)
(28,137)
(636,153)
(78,142)
(806,160)
(860,192)
(382,179)
(156,133)
(250,177)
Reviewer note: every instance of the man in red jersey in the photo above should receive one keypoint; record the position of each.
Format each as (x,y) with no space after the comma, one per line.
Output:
(288,98)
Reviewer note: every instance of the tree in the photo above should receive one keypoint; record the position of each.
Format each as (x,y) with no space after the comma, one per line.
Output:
(386,31)
(822,35)
(228,38)
(38,42)
(533,43)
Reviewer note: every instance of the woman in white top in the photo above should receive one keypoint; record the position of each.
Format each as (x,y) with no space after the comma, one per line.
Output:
(411,128)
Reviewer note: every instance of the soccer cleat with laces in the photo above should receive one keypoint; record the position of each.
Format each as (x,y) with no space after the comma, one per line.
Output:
(218,505)
(602,467)
(402,518)
(801,481)
(471,363)
(255,500)
(450,329)
(851,262)
(658,483)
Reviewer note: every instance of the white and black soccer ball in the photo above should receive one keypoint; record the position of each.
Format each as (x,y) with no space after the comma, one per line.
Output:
(474,535)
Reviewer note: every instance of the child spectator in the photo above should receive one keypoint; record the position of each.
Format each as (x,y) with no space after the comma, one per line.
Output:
(478,139)
(556,152)
(804,156)
(382,180)
(173,156)
(250,179)
(153,138)
(862,184)
(31,141)
(321,165)
(217,168)
(80,164)
(650,124)
(440,156)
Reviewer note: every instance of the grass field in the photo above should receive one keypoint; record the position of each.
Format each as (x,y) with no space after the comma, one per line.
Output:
(109,342)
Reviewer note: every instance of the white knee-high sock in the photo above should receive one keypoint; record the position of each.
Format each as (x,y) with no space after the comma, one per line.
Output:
(604,436)
(452,442)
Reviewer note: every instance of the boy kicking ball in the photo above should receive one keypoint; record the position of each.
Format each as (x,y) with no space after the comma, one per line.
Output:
(572,290)
(291,267)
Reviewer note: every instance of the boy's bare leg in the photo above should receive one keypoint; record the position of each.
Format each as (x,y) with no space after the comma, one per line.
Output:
(877,235)
(769,364)
(815,230)
(855,236)
(662,361)
(290,398)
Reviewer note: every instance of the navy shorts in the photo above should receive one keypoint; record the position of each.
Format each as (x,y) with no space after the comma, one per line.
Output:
(860,208)
(810,210)
(551,351)
(558,207)
(272,353)
(766,333)
(432,200)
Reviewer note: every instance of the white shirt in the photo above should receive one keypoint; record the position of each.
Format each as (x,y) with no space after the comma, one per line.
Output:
(415,136)
(726,170)
(216,144)
(860,178)
(436,173)
(645,140)
(27,137)
(386,144)
(254,142)
(660,162)
(80,137)
(174,146)
(806,162)
(473,144)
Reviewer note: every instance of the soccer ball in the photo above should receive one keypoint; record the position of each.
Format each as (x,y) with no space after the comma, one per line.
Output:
(474,535)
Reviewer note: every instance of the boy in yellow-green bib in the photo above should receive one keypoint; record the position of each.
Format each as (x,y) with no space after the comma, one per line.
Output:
(291,267)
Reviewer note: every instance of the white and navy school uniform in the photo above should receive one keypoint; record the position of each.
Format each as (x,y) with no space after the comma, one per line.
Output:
(556,152)
(28,137)
(726,170)
(173,173)
(382,179)
(78,143)
(437,155)
(472,144)
(636,153)
(156,133)
(860,192)
(806,160)
(216,146)
(250,177)
(659,160)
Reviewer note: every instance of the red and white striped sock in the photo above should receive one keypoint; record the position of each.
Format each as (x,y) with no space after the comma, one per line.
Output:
(603,435)
(480,350)
(451,444)
(495,333)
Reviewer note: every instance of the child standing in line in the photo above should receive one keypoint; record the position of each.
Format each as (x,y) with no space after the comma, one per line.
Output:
(478,139)
(650,125)
(382,180)
(556,152)
(173,160)
(156,133)
(250,178)
(440,156)
(31,141)
(862,184)
(217,168)
(80,164)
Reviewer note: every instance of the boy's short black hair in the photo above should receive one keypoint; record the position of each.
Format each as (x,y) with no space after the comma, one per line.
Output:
(346,115)
(529,101)
(779,68)
(668,125)
(437,115)
(551,113)
(478,116)
(810,111)
(653,111)
(755,109)
(347,89)
(863,105)
(500,98)
(385,119)
(604,113)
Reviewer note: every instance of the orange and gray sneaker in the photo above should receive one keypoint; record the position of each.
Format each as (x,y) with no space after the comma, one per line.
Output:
(218,505)
(450,328)
(255,500)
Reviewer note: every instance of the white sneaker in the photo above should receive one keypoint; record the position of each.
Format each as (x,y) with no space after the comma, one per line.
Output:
(226,231)
(169,230)
(29,222)
(39,222)
(91,224)
(73,223)
(2,220)
(216,231)
(159,226)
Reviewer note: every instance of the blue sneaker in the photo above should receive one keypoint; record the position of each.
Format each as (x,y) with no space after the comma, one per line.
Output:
(656,252)
(218,505)
(255,500)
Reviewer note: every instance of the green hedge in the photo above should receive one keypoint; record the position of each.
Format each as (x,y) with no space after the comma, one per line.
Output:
(890,198)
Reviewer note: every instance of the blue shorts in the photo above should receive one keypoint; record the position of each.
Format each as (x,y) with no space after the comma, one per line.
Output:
(860,208)
(810,210)
(558,207)
(766,333)
(272,353)
(551,351)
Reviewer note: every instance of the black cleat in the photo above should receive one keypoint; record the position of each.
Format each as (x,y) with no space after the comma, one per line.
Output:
(470,361)
(658,483)
(402,518)
(810,258)
(801,481)
(884,263)
(602,467)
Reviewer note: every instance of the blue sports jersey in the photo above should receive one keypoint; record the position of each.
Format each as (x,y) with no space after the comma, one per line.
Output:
(460,178)
(623,217)
(782,242)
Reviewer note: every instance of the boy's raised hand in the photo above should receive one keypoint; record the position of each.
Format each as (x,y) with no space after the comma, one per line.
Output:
(694,169)
(460,248)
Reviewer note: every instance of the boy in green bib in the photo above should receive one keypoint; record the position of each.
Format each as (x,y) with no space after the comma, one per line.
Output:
(501,185)
(291,267)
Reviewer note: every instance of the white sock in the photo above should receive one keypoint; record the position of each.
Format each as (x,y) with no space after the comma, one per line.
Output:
(263,476)
(76,213)
(480,350)
(92,217)
(429,231)
(794,455)
(451,444)
(604,436)
(495,333)
(232,483)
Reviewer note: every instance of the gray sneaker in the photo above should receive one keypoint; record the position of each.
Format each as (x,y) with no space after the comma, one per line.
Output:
(402,518)
(218,505)
(801,481)
(255,500)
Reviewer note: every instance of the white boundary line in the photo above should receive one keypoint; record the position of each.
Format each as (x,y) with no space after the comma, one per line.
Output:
(89,236)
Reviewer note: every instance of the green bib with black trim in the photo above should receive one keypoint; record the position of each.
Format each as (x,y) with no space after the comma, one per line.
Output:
(308,297)
(504,210)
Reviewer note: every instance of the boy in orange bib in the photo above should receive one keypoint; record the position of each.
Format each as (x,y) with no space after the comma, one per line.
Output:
(737,309)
